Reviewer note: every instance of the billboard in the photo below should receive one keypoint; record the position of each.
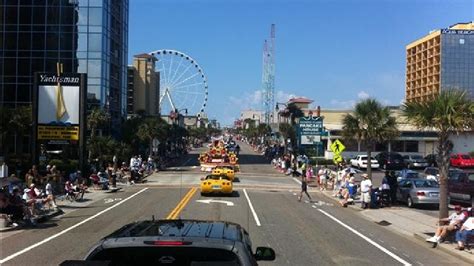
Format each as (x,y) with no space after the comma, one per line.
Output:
(59,113)
(309,130)
(58,105)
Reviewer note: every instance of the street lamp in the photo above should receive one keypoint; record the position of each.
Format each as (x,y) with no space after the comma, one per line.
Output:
(177,112)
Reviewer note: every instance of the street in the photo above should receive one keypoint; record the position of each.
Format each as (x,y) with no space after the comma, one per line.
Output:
(319,232)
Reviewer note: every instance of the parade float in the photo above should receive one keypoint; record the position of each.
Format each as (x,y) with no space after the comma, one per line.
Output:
(217,155)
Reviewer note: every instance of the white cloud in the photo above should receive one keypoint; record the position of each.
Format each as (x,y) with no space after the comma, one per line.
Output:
(363,95)
(283,97)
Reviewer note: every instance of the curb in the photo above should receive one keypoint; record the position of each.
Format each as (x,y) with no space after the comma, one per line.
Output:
(446,249)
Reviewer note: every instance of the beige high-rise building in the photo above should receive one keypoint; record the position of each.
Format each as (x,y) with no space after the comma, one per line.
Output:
(144,91)
(443,59)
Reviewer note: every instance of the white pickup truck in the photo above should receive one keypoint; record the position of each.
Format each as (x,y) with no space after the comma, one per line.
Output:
(360,161)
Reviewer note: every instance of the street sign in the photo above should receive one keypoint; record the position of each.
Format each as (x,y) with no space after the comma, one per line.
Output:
(310,125)
(337,147)
(309,130)
(337,158)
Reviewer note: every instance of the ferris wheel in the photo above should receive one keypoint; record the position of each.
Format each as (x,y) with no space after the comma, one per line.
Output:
(183,84)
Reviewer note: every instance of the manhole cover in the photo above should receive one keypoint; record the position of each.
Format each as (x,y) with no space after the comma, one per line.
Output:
(384,223)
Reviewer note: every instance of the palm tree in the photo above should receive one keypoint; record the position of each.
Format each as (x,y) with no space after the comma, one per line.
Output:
(96,119)
(294,113)
(370,122)
(449,113)
(151,128)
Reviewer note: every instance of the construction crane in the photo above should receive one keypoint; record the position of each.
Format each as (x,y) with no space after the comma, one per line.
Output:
(268,77)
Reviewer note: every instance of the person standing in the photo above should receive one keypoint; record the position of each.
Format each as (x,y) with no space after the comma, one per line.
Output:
(393,183)
(365,188)
(304,188)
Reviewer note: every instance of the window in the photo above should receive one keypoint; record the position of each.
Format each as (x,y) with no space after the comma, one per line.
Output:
(411,146)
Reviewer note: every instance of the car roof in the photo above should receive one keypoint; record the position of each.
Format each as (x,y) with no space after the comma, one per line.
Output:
(180,229)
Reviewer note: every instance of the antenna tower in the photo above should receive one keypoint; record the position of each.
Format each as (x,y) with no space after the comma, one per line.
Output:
(268,76)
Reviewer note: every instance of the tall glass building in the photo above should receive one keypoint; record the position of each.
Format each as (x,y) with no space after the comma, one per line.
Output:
(444,59)
(86,36)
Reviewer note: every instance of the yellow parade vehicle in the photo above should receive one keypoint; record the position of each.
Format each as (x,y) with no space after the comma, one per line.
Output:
(213,184)
(216,155)
(225,169)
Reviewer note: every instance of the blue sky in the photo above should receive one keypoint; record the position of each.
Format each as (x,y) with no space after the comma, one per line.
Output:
(332,51)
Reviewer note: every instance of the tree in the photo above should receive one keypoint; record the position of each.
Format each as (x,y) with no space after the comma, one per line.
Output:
(372,123)
(288,132)
(153,127)
(97,119)
(14,122)
(449,113)
(293,112)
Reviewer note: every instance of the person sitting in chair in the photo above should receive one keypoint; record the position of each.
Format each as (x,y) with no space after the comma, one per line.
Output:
(466,231)
(454,221)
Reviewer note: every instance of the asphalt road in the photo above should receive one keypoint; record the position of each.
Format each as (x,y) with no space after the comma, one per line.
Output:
(302,233)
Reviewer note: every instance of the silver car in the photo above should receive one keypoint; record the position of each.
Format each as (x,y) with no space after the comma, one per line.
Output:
(415,161)
(418,191)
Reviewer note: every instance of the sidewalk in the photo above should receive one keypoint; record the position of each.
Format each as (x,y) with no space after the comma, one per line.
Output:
(409,222)
(65,206)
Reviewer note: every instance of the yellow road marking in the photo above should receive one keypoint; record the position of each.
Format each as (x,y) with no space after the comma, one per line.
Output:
(184,201)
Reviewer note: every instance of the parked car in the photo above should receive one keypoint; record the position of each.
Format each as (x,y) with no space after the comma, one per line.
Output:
(360,161)
(177,242)
(390,160)
(416,191)
(461,160)
(415,161)
(431,173)
(461,187)
(407,174)
(432,159)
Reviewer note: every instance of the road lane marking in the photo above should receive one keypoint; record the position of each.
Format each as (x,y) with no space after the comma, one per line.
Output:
(228,203)
(257,221)
(296,180)
(386,251)
(177,210)
(68,229)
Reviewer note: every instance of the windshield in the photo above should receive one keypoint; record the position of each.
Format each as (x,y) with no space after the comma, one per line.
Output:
(217,177)
(412,175)
(425,183)
(467,157)
(166,256)
(431,171)
(417,157)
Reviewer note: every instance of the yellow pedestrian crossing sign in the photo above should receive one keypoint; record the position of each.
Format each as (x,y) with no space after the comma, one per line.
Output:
(337,158)
(337,147)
